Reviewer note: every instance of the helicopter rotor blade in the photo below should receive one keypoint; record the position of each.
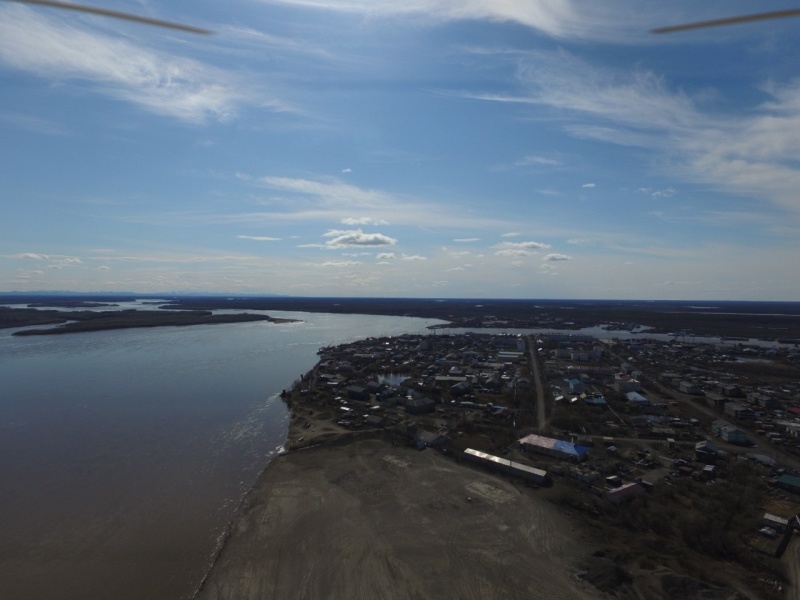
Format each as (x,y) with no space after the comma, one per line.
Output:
(778,14)
(116,15)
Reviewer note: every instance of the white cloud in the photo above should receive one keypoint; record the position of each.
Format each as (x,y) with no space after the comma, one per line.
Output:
(355,238)
(363,221)
(414,257)
(339,263)
(258,238)
(511,234)
(466,240)
(385,256)
(156,81)
(555,257)
(588,185)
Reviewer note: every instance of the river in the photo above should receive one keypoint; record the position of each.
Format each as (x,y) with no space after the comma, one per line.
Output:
(123,454)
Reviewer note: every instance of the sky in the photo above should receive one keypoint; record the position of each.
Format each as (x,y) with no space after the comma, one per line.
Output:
(427,148)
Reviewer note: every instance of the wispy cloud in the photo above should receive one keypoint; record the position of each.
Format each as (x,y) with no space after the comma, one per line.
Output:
(753,152)
(33,123)
(327,199)
(258,238)
(466,240)
(537,160)
(556,18)
(157,81)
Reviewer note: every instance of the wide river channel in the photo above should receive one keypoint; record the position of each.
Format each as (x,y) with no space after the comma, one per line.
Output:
(123,454)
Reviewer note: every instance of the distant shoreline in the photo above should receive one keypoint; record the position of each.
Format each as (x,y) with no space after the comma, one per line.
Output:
(766,321)
(86,321)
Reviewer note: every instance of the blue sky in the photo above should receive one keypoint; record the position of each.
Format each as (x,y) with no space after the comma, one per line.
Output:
(430,148)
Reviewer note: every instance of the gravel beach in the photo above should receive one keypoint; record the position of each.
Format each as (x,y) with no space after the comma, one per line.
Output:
(368,519)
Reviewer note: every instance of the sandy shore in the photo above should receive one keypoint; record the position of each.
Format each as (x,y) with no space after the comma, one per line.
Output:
(371,520)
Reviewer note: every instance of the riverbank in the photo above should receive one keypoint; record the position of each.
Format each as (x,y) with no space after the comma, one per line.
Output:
(369,519)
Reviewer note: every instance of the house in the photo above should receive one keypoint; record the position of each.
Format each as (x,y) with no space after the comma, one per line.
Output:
(460,389)
(374,421)
(375,387)
(689,387)
(357,392)
(717,400)
(789,483)
(729,433)
(775,522)
(428,439)
(419,406)
(576,386)
(623,492)
(636,399)
(706,452)
(739,411)
(625,383)
(596,399)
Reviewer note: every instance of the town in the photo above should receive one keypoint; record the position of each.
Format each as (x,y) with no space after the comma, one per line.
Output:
(687,447)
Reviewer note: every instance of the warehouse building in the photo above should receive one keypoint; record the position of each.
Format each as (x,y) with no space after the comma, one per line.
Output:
(503,465)
(553,447)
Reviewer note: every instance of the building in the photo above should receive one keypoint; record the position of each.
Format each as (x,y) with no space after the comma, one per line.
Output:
(775,522)
(689,387)
(625,383)
(729,433)
(739,411)
(419,406)
(623,492)
(428,439)
(706,452)
(553,447)
(790,483)
(576,386)
(356,392)
(636,399)
(509,467)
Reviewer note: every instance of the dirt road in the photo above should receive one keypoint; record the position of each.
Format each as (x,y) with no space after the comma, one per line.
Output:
(541,408)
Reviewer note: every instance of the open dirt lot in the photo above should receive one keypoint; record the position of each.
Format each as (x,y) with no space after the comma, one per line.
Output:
(371,520)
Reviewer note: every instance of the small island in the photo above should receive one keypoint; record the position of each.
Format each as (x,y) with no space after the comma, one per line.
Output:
(84,321)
